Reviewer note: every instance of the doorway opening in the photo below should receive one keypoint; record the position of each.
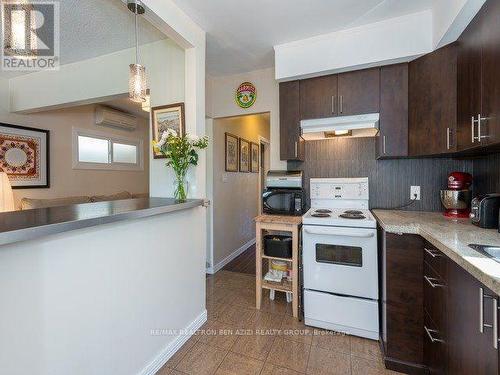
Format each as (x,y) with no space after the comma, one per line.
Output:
(236,192)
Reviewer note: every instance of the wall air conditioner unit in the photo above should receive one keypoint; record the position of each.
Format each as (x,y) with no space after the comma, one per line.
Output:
(105,116)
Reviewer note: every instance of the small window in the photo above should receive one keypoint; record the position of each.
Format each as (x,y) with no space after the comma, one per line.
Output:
(96,150)
(124,153)
(93,150)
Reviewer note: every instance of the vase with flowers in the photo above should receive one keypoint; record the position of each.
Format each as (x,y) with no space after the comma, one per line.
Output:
(181,152)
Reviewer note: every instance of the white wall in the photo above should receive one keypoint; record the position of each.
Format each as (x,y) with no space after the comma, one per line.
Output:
(394,40)
(451,17)
(105,76)
(85,301)
(221,93)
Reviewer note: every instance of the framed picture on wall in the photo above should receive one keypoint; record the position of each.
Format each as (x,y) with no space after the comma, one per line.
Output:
(254,157)
(24,156)
(166,117)
(231,151)
(244,155)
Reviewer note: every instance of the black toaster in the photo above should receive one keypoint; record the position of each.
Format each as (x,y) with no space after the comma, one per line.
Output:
(485,211)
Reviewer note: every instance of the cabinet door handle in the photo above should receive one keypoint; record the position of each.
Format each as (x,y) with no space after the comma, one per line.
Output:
(482,324)
(448,130)
(472,122)
(341,103)
(296,148)
(430,332)
(433,254)
(384,144)
(432,282)
(333,103)
(479,125)
(495,323)
(479,128)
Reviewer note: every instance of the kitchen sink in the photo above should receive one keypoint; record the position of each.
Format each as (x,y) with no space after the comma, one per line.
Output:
(492,252)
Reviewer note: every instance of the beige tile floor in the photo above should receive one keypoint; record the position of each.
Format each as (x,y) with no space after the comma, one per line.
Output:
(238,339)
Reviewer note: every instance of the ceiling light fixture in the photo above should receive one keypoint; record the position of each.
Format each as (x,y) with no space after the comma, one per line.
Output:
(137,80)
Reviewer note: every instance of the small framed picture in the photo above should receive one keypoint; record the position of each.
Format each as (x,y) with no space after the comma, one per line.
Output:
(254,157)
(24,156)
(231,148)
(165,117)
(244,155)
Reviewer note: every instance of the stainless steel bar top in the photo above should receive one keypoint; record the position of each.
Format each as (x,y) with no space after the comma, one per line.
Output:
(30,224)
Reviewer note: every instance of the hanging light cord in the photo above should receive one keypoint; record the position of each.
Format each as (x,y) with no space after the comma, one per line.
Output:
(136,38)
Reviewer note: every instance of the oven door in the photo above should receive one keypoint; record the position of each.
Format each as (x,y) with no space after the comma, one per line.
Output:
(340,260)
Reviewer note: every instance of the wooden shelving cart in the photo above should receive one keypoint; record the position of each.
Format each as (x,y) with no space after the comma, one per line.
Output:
(276,223)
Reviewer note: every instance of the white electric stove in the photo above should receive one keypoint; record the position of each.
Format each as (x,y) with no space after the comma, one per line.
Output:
(340,258)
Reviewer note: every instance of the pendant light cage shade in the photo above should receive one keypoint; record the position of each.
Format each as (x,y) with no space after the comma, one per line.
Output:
(138,85)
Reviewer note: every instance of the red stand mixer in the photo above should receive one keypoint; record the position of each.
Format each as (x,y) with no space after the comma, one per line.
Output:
(457,198)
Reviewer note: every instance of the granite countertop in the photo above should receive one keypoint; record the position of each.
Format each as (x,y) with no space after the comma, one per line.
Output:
(452,237)
(30,224)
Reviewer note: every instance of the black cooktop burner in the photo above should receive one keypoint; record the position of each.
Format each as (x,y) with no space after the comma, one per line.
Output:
(319,214)
(323,211)
(352,216)
(353,212)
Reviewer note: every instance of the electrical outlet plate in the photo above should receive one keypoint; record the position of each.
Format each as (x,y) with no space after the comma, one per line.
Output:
(415,190)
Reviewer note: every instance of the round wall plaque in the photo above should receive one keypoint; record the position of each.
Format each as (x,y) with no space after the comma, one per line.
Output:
(246,95)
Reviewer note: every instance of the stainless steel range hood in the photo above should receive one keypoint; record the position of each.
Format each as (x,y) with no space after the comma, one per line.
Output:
(342,126)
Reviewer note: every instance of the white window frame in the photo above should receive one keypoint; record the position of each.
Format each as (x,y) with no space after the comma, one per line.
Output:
(111,166)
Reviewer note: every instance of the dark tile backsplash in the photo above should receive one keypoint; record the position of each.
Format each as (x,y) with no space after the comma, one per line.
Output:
(487,174)
(390,180)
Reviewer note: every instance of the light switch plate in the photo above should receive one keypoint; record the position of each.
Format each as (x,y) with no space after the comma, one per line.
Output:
(415,190)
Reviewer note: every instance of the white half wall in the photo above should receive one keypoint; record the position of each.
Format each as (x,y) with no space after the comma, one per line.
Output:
(394,40)
(220,93)
(85,301)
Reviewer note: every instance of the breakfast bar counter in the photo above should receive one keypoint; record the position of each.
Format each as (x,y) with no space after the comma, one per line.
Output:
(452,237)
(30,224)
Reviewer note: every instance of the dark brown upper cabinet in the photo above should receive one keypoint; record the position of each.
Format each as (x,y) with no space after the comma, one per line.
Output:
(479,79)
(393,138)
(433,102)
(291,142)
(490,71)
(343,94)
(359,92)
(318,97)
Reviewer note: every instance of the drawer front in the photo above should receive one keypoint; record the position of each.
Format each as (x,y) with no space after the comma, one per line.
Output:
(435,290)
(436,259)
(435,348)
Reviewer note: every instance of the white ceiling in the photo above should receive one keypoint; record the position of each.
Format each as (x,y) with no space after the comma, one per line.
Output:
(91,28)
(241,34)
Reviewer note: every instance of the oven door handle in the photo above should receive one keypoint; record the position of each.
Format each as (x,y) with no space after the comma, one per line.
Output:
(339,232)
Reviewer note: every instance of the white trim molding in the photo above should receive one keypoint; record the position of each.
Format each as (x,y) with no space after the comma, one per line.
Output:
(214,269)
(172,347)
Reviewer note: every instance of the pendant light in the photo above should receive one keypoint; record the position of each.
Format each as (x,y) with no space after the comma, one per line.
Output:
(137,80)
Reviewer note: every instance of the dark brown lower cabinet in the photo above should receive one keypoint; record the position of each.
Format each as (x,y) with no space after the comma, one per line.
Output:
(436,317)
(470,351)
(435,330)
(402,302)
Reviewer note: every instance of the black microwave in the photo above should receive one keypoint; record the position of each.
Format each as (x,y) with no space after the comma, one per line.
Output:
(283,201)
